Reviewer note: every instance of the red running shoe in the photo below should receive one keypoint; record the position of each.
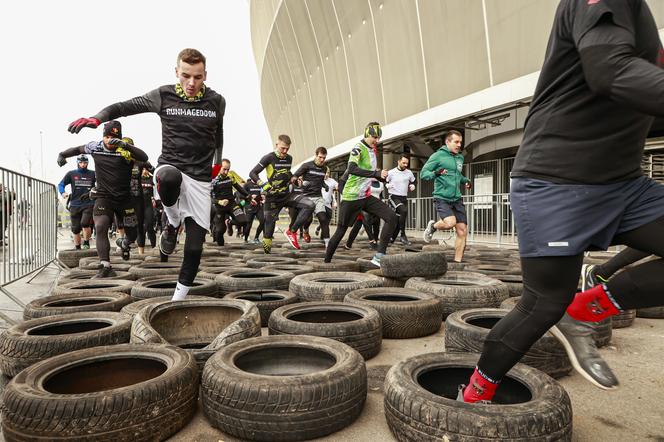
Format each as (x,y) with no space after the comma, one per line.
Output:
(292,238)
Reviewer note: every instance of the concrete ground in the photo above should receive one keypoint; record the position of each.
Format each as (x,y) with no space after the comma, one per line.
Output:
(634,412)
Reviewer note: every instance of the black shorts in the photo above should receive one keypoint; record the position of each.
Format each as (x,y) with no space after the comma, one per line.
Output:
(451,208)
(81,218)
(124,211)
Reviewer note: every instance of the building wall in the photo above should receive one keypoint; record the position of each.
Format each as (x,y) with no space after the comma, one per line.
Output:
(327,67)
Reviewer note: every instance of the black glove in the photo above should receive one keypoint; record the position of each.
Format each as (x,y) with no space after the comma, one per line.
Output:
(61,160)
(76,126)
(117,142)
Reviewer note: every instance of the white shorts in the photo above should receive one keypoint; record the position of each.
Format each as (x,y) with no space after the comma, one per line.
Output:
(194,201)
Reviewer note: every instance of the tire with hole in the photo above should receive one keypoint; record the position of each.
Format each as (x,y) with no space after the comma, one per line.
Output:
(201,327)
(295,269)
(462,290)
(88,275)
(265,300)
(108,394)
(250,279)
(404,313)
(331,286)
(624,319)
(388,282)
(283,388)
(71,257)
(339,265)
(426,264)
(94,287)
(74,303)
(420,403)
(357,326)
(466,331)
(32,341)
(257,262)
(156,286)
(117,263)
(155,269)
(513,282)
(135,307)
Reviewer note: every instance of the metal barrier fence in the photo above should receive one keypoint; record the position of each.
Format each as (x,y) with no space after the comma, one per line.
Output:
(28,217)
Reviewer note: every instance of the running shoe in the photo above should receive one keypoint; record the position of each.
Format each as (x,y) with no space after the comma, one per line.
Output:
(376,259)
(373,245)
(589,278)
(267,245)
(403,240)
(292,238)
(85,245)
(306,237)
(256,241)
(105,272)
(428,232)
(123,244)
(168,239)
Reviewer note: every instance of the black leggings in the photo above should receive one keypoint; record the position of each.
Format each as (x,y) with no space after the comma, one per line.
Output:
(137,202)
(549,285)
(400,206)
(357,225)
(223,213)
(193,249)
(621,260)
(148,221)
(258,214)
(347,215)
(273,206)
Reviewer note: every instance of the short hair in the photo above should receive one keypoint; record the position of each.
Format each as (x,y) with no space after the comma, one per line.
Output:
(322,150)
(284,139)
(191,56)
(226,160)
(450,133)
(405,155)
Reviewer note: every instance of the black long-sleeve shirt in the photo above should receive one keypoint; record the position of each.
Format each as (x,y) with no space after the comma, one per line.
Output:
(313,179)
(192,132)
(278,172)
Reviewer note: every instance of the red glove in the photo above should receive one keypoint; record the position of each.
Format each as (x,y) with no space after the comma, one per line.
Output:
(441,172)
(76,126)
(215,169)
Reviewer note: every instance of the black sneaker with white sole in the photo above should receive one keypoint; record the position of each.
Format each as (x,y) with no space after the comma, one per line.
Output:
(168,239)
(105,272)
(123,243)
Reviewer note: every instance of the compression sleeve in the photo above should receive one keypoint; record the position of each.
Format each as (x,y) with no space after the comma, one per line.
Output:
(150,102)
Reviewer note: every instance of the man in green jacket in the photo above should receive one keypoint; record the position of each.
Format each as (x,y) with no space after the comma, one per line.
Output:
(445,165)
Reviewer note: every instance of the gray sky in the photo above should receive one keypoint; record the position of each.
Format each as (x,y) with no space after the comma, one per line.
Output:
(69,58)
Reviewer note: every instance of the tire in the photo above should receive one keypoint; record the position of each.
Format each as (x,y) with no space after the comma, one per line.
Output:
(109,394)
(420,403)
(157,286)
(263,261)
(357,326)
(510,303)
(493,269)
(71,257)
(266,301)
(252,279)
(135,307)
(32,341)
(201,327)
(466,331)
(87,275)
(94,287)
(66,304)
(155,269)
(513,282)
(404,313)
(365,265)
(650,312)
(462,290)
(295,269)
(624,319)
(331,286)
(388,282)
(248,391)
(307,254)
(340,265)
(117,263)
(218,270)
(426,264)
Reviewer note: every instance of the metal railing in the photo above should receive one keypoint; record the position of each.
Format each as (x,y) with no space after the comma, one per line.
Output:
(28,218)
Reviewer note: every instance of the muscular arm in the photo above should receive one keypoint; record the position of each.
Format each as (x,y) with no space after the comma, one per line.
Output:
(253,174)
(150,102)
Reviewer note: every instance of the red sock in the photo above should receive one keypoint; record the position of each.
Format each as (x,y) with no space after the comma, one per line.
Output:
(593,305)
(479,388)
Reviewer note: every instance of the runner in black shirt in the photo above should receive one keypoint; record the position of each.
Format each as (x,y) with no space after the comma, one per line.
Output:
(277,166)
(137,198)
(192,135)
(254,209)
(577,185)
(311,176)
(150,218)
(114,160)
(224,202)
(81,180)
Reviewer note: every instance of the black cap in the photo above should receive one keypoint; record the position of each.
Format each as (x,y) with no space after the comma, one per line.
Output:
(81,158)
(113,128)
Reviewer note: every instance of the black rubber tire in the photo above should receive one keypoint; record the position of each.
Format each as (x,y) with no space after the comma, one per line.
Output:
(388,282)
(493,269)
(252,279)
(404,313)
(66,304)
(135,307)
(355,325)
(88,275)
(462,290)
(155,269)
(21,347)
(257,262)
(365,265)
(510,303)
(284,405)
(426,264)
(466,331)
(339,265)
(201,327)
(650,312)
(307,254)
(266,300)
(295,269)
(155,406)
(117,263)
(218,270)
(624,319)
(94,287)
(156,286)
(513,282)
(331,286)
(540,410)
(71,257)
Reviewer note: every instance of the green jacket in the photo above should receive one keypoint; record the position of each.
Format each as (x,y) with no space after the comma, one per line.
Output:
(446,187)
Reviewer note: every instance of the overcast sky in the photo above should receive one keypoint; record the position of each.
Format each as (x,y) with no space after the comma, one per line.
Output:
(67,59)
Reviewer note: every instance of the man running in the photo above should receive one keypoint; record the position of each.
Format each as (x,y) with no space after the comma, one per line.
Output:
(150,216)
(192,118)
(311,175)
(81,180)
(577,184)
(224,200)
(254,210)
(445,166)
(114,160)
(277,165)
(329,197)
(356,195)
(400,181)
